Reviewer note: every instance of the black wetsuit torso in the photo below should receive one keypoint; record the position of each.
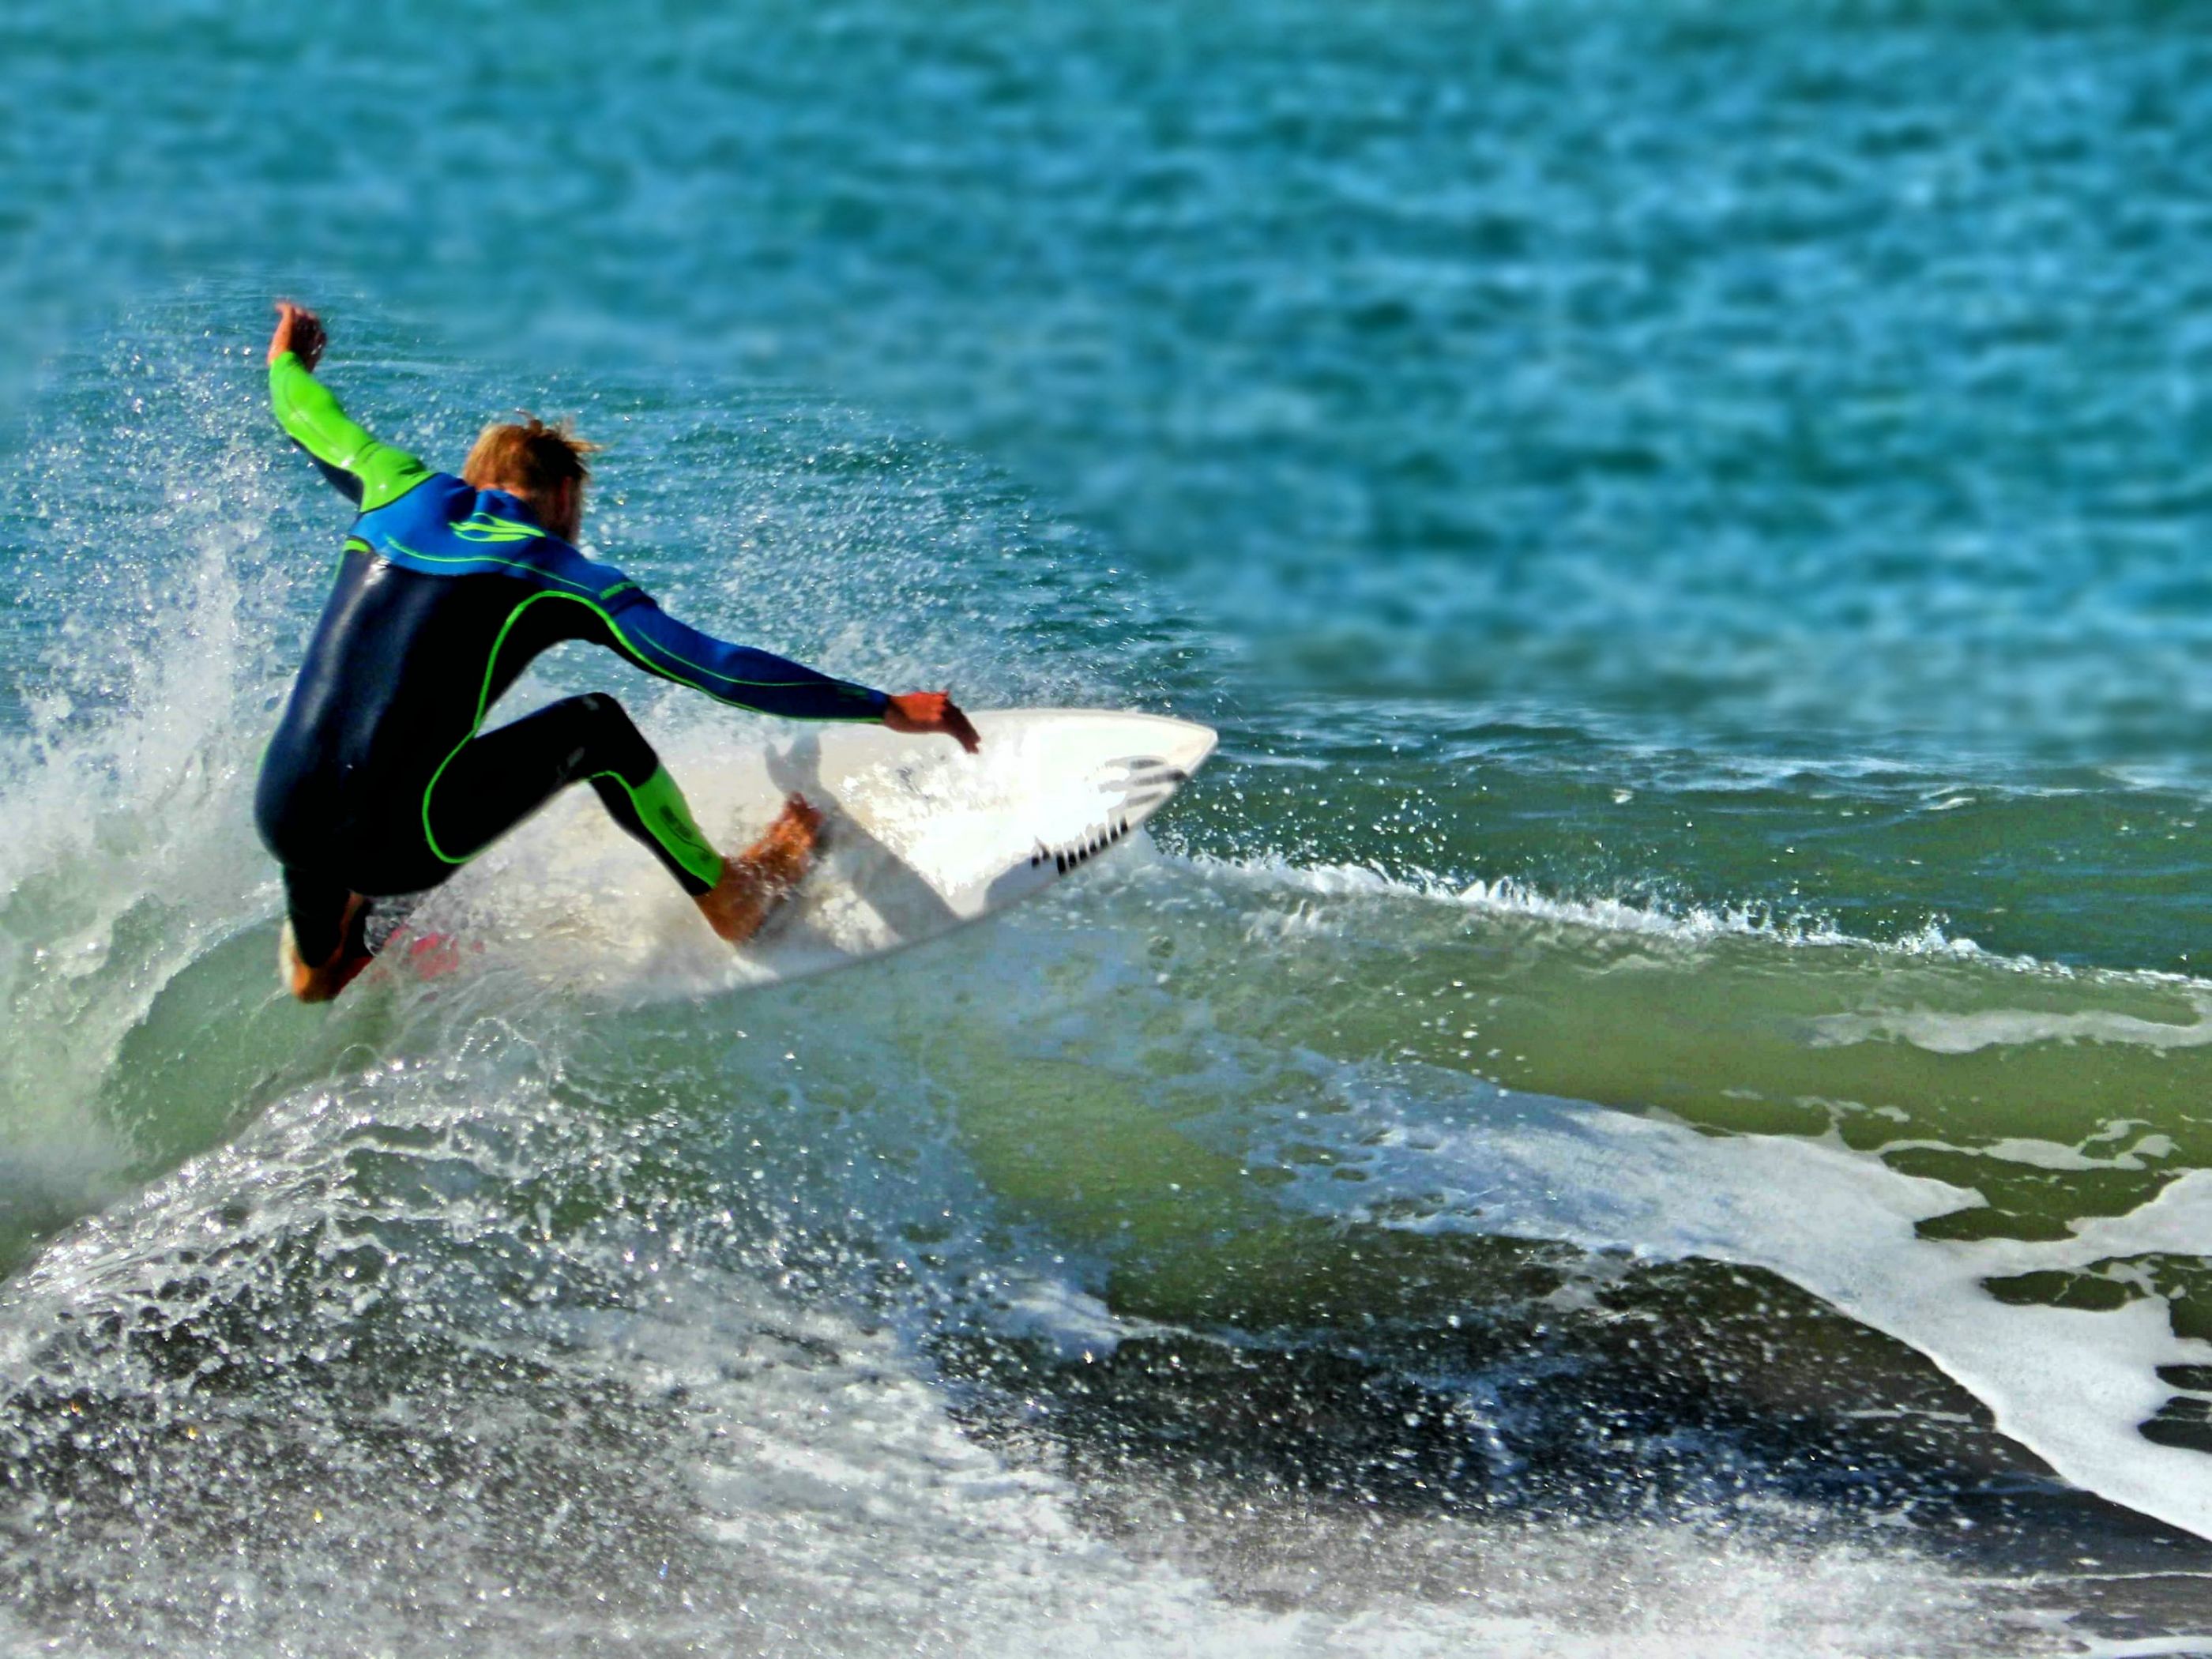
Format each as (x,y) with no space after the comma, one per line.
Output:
(396,678)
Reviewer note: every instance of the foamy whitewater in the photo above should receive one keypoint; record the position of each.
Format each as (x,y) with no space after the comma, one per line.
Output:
(1649,1100)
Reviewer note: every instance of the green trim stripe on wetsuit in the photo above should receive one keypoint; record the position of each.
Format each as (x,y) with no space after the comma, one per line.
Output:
(380,778)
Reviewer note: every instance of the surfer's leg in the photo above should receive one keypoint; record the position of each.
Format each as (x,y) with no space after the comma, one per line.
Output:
(495,782)
(324,943)
(501,778)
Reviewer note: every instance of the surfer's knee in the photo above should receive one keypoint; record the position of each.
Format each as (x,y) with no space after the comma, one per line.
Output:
(610,735)
(599,707)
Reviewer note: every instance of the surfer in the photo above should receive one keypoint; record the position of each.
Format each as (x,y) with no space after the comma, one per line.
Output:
(381,781)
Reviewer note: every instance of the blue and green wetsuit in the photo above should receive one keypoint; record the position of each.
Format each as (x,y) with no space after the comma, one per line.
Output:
(380,779)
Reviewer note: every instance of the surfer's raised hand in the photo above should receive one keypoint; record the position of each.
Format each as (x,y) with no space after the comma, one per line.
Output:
(299,332)
(932,711)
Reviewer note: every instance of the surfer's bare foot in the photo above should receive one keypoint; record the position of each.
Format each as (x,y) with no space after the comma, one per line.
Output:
(322,981)
(762,877)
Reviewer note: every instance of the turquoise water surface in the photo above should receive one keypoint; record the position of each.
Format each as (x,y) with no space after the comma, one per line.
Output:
(1652,1100)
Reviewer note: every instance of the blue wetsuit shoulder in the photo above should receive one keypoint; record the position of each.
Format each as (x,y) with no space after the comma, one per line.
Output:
(444,526)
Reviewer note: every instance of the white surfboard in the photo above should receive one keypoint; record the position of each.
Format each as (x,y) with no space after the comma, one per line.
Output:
(919,838)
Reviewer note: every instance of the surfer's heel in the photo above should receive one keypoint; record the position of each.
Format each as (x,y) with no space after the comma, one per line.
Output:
(758,879)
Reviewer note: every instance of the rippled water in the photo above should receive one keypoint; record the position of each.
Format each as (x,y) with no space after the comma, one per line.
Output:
(1650,1101)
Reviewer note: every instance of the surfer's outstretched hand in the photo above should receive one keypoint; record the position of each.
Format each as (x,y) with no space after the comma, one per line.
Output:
(932,711)
(299,332)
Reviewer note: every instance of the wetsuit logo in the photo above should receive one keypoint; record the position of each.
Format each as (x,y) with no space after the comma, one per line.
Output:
(680,829)
(481,526)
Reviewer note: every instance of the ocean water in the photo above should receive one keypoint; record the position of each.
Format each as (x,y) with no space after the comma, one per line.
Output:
(1652,1101)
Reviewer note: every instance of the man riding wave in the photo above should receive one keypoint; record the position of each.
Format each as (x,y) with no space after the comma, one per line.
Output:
(380,780)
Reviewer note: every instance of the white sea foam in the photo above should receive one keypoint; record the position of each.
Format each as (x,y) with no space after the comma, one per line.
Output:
(2070,1384)
(1338,899)
(1509,897)
(128,844)
(1070,1320)
(2050,1155)
(1945,1033)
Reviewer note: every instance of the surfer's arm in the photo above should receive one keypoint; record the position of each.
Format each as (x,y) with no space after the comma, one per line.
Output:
(740,674)
(363,468)
(775,685)
(621,616)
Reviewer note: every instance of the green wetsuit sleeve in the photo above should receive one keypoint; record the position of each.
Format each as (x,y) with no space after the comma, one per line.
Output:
(311,415)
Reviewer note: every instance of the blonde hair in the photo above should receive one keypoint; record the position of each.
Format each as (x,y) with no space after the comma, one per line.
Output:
(531,459)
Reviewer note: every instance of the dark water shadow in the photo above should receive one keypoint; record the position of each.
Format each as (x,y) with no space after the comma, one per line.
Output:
(1350,1376)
